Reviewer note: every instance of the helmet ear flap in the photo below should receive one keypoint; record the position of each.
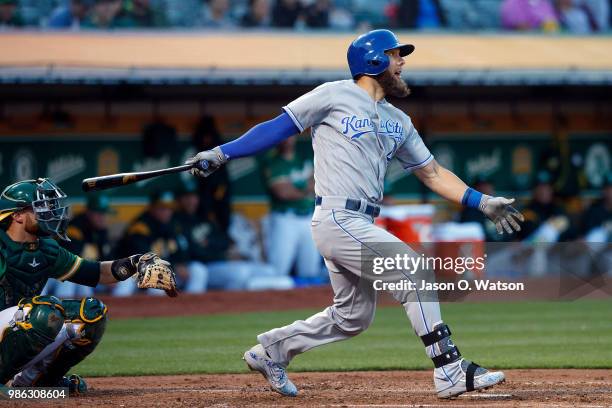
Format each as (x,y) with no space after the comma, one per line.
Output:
(378,62)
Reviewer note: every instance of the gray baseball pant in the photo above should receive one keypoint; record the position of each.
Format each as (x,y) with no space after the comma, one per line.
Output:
(340,236)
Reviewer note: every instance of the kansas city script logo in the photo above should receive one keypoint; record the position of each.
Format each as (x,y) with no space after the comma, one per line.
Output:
(358,127)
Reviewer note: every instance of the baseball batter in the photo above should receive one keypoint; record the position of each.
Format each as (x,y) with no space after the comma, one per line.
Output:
(42,337)
(355,134)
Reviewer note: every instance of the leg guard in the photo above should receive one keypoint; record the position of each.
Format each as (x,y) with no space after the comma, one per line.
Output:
(36,323)
(453,375)
(86,322)
(443,351)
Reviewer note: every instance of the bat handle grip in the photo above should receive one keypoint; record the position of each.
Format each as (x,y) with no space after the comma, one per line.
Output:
(202,165)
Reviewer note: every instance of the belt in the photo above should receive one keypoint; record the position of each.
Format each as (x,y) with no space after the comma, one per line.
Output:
(352,204)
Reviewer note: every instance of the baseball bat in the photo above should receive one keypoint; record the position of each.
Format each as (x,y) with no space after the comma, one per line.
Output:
(123,179)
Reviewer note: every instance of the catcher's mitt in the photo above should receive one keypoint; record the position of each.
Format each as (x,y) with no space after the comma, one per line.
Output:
(154,272)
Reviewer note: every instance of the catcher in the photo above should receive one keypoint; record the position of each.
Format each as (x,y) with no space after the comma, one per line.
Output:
(42,337)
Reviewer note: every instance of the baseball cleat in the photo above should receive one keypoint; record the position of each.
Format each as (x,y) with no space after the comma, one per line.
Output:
(258,360)
(75,383)
(462,376)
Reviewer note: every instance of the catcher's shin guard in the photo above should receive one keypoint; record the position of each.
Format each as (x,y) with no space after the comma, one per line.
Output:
(87,318)
(36,323)
(453,375)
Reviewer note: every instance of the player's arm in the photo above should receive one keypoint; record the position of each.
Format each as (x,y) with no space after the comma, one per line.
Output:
(283,189)
(118,270)
(280,185)
(442,181)
(153,272)
(91,273)
(446,184)
(259,138)
(300,114)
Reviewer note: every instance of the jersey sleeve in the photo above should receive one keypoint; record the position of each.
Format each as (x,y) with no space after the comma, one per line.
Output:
(73,268)
(311,108)
(413,154)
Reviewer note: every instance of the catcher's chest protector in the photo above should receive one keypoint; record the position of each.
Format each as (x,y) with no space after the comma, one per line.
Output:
(28,267)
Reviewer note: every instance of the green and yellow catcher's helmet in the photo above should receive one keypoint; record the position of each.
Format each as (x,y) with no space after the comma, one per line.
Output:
(45,198)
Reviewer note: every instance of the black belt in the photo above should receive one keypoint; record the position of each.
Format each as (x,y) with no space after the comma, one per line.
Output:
(355,205)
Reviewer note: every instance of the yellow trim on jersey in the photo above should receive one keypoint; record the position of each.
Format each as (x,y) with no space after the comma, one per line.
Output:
(72,270)
(6,214)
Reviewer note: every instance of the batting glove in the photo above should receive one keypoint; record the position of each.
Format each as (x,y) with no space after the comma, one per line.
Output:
(215,159)
(503,215)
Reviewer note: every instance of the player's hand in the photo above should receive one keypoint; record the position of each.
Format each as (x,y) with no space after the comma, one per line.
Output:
(504,216)
(214,157)
(154,272)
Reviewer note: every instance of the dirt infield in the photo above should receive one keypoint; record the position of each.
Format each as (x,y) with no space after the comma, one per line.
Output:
(524,388)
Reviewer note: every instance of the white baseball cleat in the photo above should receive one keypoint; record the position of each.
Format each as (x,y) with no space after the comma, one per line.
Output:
(258,360)
(462,376)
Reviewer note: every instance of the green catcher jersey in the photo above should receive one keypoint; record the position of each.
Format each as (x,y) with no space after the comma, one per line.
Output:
(298,171)
(26,267)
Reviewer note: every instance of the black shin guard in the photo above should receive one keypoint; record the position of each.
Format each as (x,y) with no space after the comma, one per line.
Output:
(448,352)
(439,333)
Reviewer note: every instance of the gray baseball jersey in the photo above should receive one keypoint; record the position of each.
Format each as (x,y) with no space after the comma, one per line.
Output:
(354,138)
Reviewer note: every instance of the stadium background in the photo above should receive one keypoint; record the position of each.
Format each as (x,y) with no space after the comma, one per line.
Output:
(496,105)
(490,91)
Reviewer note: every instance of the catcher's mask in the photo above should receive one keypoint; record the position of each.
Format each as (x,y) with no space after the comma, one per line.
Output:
(47,200)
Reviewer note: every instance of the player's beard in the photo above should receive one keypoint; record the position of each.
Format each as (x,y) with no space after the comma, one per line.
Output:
(393,85)
(31,227)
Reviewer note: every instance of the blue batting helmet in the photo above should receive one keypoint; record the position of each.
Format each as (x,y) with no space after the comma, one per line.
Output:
(366,55)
